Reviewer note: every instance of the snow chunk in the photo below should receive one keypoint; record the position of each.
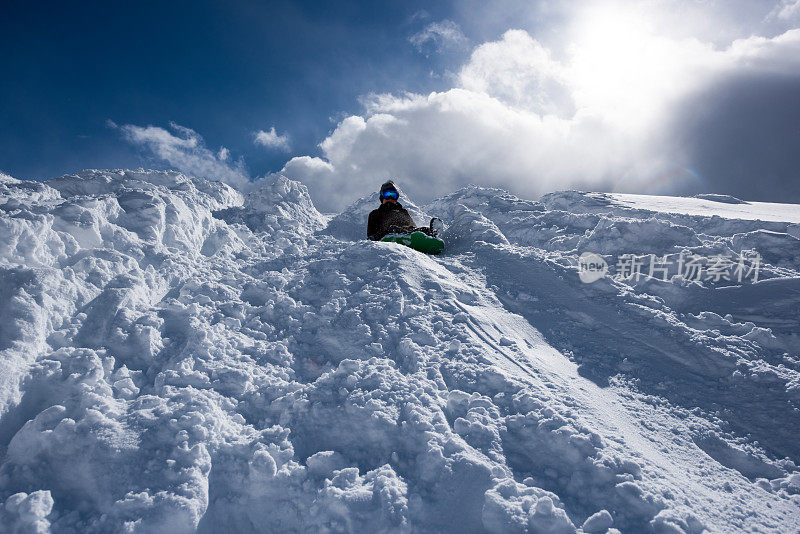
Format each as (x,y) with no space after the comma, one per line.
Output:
(547,519)
(27,513)
(598,522)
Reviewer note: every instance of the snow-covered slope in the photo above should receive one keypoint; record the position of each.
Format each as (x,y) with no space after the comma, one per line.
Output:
(178,357)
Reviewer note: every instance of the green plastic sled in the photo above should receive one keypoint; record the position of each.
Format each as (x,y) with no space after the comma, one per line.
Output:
(418,241)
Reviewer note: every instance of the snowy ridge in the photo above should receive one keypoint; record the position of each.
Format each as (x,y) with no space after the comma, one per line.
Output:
(178,357)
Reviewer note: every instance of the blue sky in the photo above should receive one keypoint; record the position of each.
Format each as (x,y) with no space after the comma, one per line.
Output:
(651,96)
(225,70)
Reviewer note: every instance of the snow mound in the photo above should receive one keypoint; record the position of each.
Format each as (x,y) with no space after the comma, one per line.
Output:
(178,357)
(278,205)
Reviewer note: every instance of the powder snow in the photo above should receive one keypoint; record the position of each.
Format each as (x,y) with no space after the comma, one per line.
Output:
(176,356)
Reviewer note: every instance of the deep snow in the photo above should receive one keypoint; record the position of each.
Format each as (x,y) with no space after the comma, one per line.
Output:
(179,357)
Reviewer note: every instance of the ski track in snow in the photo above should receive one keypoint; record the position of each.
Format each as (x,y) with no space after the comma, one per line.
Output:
(178,357)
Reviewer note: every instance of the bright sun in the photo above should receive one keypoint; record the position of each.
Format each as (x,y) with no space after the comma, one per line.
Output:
(619,66)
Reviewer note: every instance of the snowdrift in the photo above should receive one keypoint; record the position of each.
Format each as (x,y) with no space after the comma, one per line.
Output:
(177,357)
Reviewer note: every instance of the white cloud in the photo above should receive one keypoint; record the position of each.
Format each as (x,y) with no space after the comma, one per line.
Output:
(518,71)
(439,36)
(223,154)
(434,144)
(778,55)
(185,151)
(786,10)
(521,120)
(271,139)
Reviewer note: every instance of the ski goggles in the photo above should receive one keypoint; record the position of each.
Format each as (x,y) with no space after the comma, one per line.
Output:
(389,195)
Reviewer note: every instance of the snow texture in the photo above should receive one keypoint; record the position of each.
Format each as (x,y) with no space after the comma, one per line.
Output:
(179,357)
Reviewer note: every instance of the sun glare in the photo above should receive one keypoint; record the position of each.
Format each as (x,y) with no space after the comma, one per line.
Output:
(619,66)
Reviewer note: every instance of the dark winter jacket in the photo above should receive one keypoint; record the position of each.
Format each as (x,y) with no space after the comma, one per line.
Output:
(387,215)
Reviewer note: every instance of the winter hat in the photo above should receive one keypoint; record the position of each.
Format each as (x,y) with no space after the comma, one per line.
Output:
(388,186)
